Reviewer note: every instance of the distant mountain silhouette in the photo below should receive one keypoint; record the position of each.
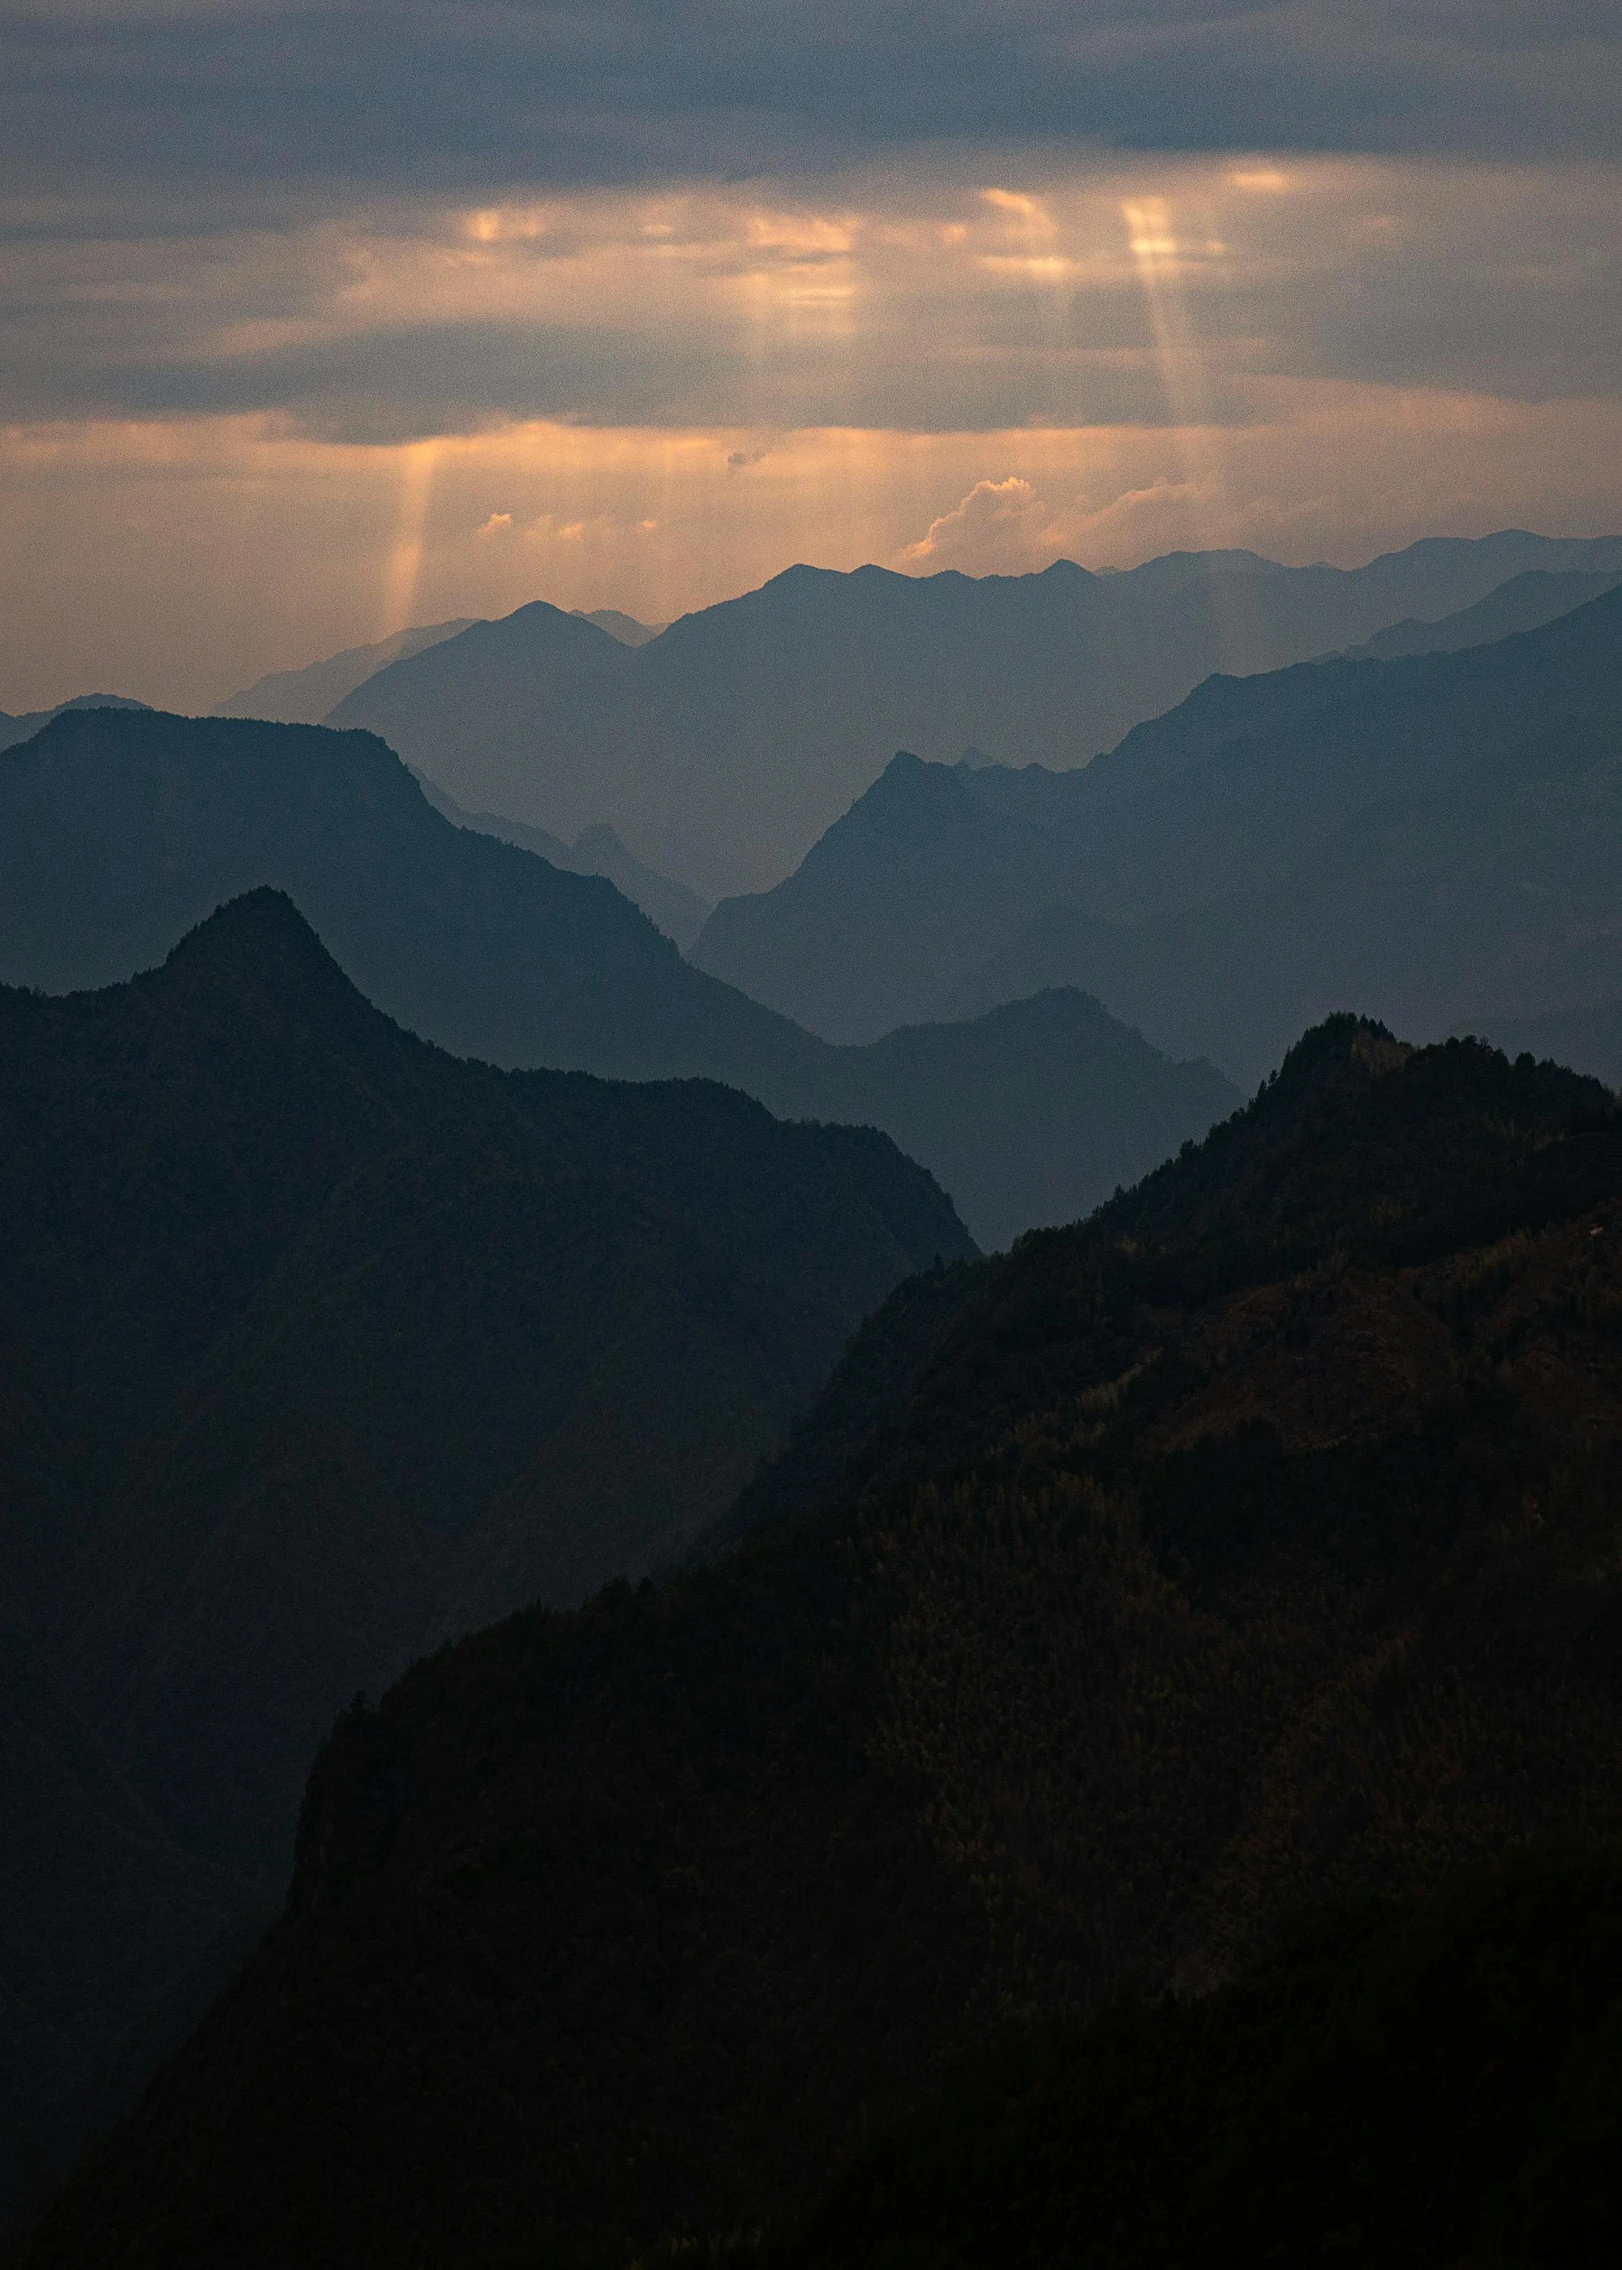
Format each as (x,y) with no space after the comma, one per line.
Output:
(986,1100)
(625,628)
(303,697)
(722,749)
(1248,1548)
(117,833)
(24,727)
(319,1344)
(671,907)
(1522,604)
(1439,836)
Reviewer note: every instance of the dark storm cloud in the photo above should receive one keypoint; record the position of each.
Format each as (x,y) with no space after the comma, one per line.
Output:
(389,385)
(441,97)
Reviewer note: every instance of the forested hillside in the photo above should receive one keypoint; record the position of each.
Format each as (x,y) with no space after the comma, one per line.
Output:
(1430,2079)
(1250,1546)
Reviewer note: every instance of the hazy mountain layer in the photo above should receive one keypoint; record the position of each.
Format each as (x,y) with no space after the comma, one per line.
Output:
(625,628)
(119,832)
(1439,836)
(723,748)
(319,1344)
(303,697)
(1251,1545)
(671,907)
(1524,603)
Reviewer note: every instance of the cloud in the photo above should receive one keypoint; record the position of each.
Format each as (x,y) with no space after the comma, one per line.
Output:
(1000,528)
(1006,528)
(432,95)
(497,525)
(608,258)
(908,299)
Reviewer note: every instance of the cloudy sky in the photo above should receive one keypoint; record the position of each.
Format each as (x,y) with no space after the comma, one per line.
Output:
(317,320)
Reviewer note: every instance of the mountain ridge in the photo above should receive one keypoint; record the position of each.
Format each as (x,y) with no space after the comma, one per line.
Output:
(120,832)
(723,748)
(1452,809)
(304,696)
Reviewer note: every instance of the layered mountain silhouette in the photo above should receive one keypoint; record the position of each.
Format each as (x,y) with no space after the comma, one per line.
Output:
(619,625)
(320,1345)
(25,726)
(303,697)
(1439,836)
(119,832)
(1524,603)
(723,748)
(1249,1546)
(671,907)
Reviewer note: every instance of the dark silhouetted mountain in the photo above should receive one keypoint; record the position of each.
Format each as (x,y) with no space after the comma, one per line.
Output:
(671,907)
(303,697)
(625,628)
(1439,836)
(722,749)
(318,1345)
(23,728)
(119,832)
(1251,1546)
(1524,603)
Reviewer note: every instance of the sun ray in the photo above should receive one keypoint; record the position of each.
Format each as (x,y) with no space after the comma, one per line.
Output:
(1159,258)
(403,567)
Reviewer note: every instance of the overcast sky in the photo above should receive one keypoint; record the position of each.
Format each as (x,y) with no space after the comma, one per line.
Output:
(318,320)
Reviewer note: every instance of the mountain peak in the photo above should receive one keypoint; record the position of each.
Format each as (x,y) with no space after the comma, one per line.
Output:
(262,917)
(259,955)
(1361,1141)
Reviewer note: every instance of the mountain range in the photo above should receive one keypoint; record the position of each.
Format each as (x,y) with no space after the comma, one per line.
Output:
(1524,603)
(119,831)
(889,1757)
(322,1345)
(1248,1547)
(1436,836)
(721,749)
